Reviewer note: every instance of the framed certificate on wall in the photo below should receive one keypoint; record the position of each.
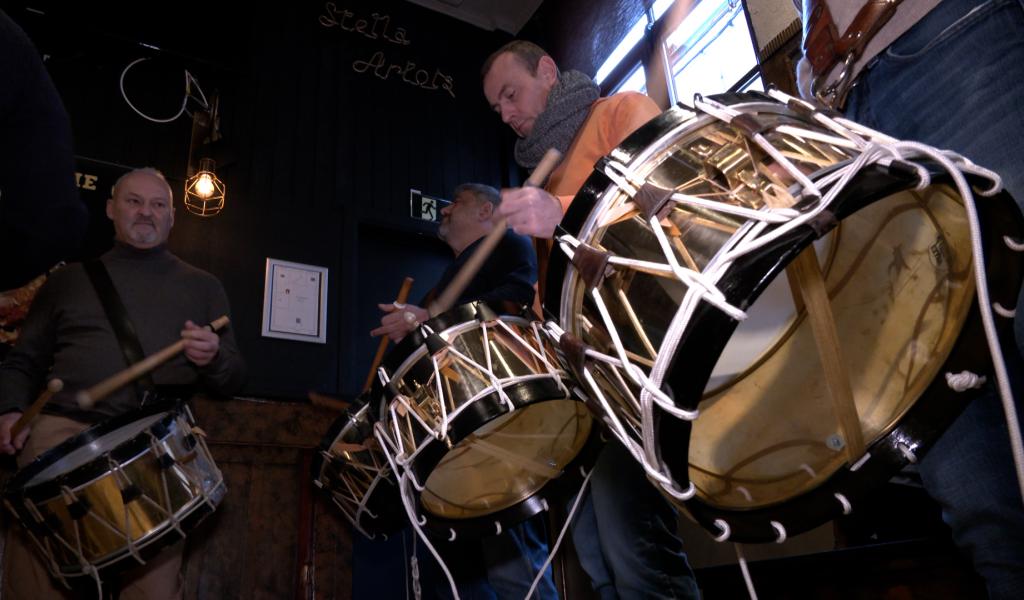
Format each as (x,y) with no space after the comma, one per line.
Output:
(295,302)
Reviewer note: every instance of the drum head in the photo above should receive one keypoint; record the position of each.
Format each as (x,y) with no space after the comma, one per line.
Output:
(507,460)
(900,282)
(95,447)
(74,460)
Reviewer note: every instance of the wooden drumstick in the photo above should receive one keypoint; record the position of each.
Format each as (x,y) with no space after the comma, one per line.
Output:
(810,283)
(88,398)
(472,266)
(325,401)
(403,295)
(54,386)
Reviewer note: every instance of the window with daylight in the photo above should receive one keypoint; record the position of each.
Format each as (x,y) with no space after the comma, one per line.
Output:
(712,51)
(707,49)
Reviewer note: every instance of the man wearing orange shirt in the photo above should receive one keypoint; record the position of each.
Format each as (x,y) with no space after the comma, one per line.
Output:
(625,530)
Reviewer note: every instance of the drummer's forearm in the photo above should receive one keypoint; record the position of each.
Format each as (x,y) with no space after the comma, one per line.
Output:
(226,372)
(15,393)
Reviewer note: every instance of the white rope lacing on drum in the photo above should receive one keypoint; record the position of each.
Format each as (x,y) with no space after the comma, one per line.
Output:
(350,514)
(847,134)
(780,531)
(630,182)
(68,495)
(441,432)
(847,507)
(956,166)
(44,545)
(93,572)
(860,462)
(404,455)
(807,134)
(964,380)
(123,483)
(414,563)
(1006,313)
(745,571)
(727,114)
(725,530)
(561,534)
(398,452)
(488,368)
(1012,244)
(354,504)
(187,423)
(78,534)
(156,447)
(408,503)
(645,453)
(537,328)
(380,473)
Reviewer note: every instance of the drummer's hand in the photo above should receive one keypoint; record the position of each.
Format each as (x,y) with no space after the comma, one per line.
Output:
(530,211)
(201,344)
(7,446)
(399,320)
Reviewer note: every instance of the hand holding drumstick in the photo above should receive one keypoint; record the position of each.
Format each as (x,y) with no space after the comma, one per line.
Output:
(529,210)
(195,342)
(399,320)
(14,428)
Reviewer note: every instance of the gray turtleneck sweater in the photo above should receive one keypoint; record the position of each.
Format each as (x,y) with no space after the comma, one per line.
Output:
(68,330)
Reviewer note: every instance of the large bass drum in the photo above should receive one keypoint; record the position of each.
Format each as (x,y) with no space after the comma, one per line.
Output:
(773,310)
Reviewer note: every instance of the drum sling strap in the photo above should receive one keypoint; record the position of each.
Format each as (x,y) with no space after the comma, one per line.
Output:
(825,48)
(119,320)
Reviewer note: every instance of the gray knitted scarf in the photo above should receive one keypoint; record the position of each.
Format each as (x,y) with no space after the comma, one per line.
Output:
(567,107)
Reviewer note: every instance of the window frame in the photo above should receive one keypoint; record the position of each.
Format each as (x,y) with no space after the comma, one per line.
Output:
(649,53)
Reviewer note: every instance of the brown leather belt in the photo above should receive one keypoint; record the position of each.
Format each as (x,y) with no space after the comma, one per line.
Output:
(825,48)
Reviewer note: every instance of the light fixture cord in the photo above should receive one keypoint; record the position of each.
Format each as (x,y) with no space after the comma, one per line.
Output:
(189,82)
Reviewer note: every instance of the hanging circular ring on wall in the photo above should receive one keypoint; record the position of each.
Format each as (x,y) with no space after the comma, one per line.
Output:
(189,82)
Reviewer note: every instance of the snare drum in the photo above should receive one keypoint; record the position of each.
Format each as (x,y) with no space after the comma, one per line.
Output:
(698,322)
(116,494)
(480,421)
(351,468)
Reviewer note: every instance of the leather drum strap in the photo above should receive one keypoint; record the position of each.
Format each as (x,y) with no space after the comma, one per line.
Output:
(822,43)
(119,320)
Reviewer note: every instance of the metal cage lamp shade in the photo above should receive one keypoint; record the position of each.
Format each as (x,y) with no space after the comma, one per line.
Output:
(204,191)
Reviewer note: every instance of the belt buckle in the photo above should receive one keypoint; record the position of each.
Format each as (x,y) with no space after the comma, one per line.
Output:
(834,96)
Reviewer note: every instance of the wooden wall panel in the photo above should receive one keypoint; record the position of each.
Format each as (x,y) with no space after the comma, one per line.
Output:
(331,577)
(272,537)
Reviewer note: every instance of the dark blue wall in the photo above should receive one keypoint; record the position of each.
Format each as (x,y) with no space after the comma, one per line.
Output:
(319,148)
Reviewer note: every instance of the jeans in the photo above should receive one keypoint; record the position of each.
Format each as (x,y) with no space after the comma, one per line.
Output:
(956,80)
(513,559)
(624,532)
